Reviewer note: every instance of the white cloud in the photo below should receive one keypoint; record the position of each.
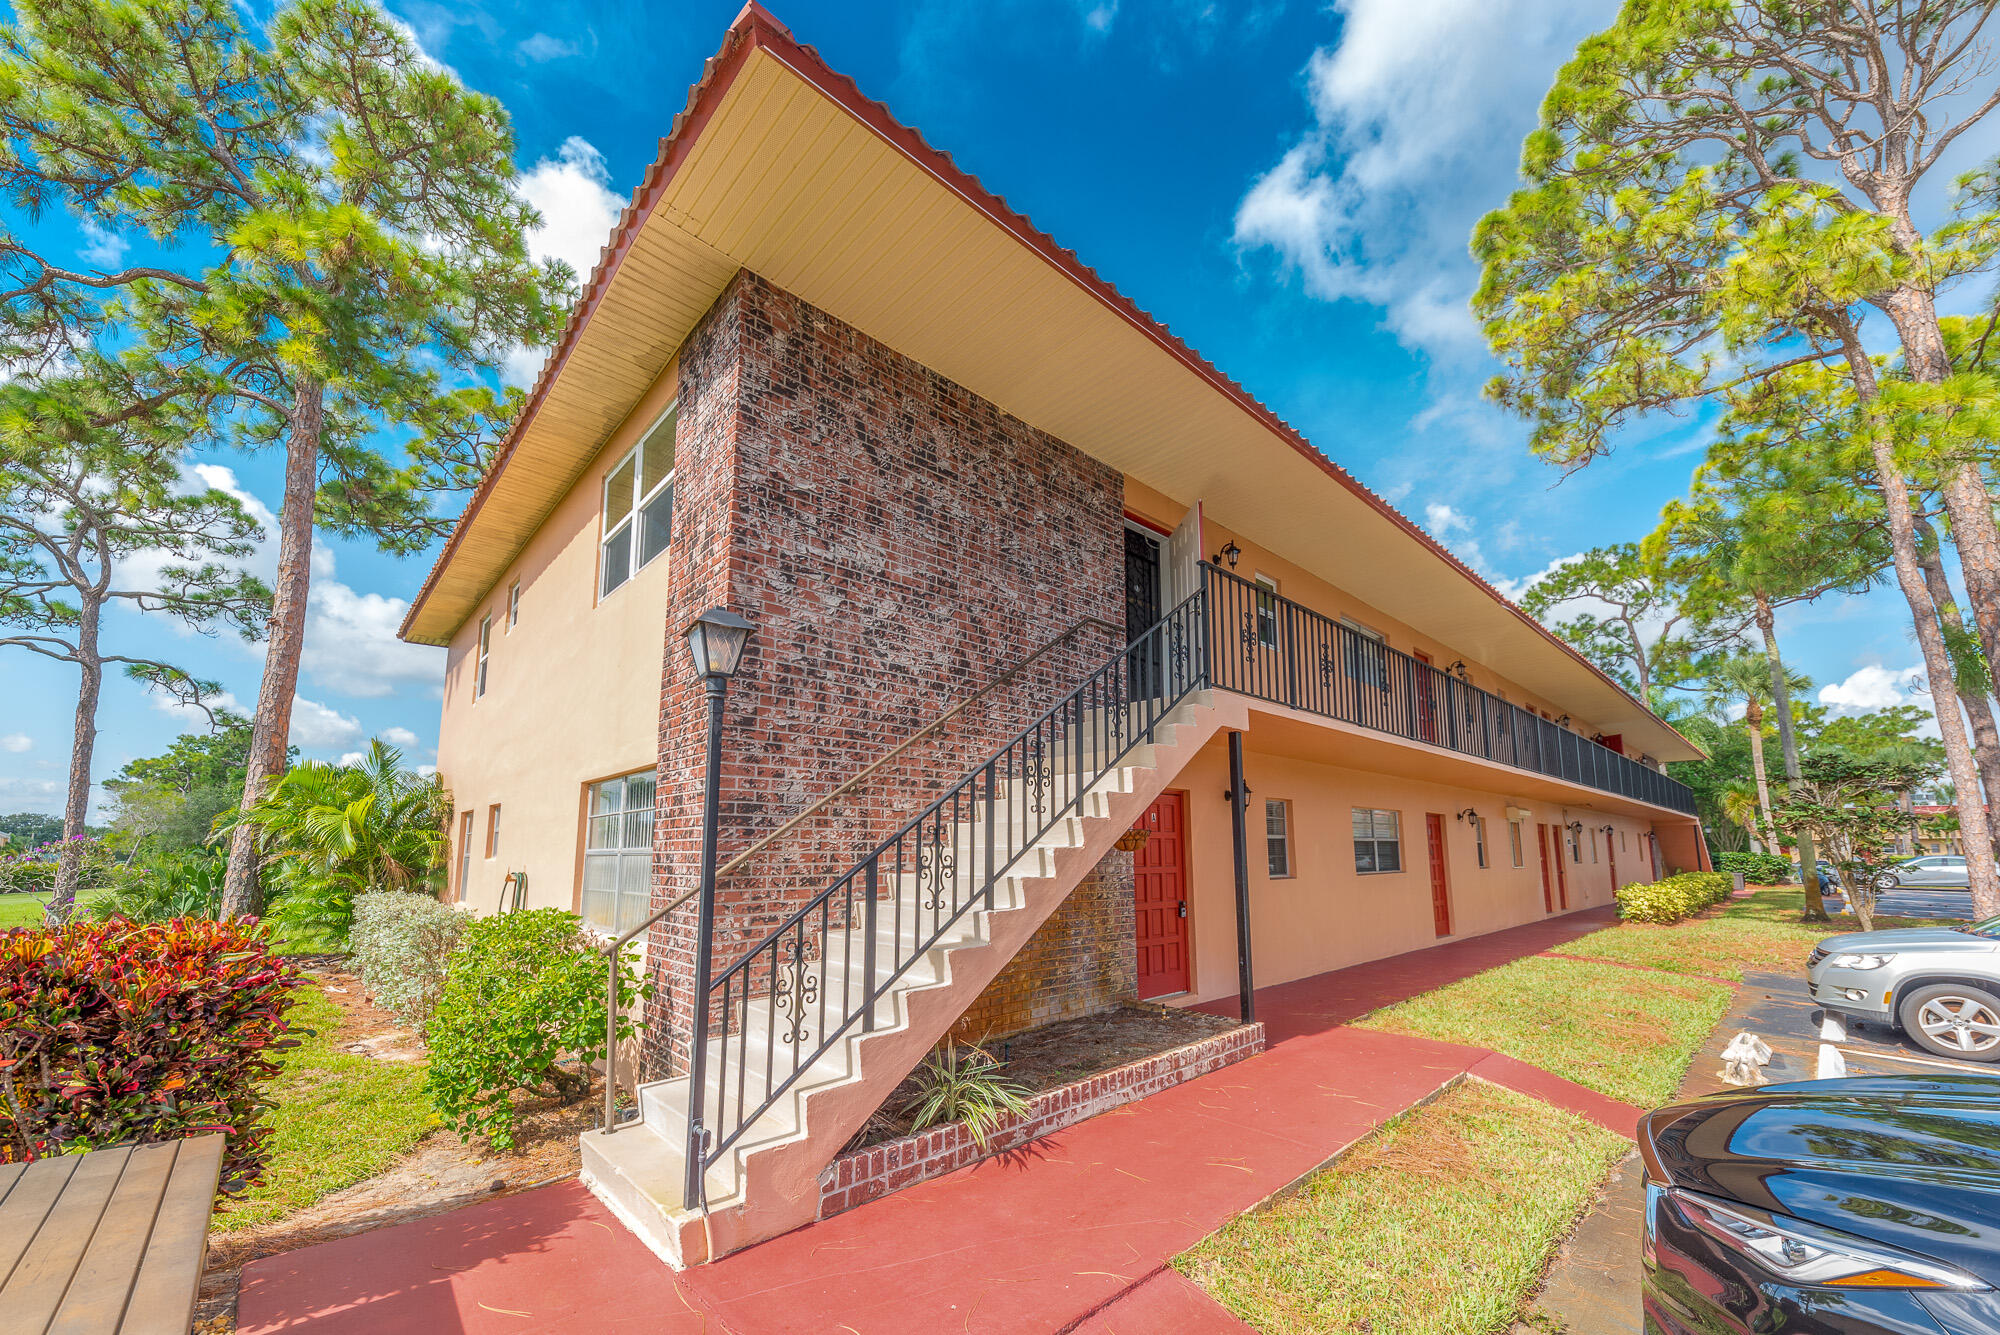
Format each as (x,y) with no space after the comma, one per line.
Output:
(1516,589)
(351,645)
(1418,115)
(572,191)
(543,47)
(103,249)
(16,742)
(399,737)
(1098,15)
(41,795)
(1453,528)
(315,727)
(1876,687)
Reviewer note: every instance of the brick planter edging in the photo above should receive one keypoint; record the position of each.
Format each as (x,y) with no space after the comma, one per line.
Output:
(866,1174)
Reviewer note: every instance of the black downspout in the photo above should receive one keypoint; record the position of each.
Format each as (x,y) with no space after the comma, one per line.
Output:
(1239,801)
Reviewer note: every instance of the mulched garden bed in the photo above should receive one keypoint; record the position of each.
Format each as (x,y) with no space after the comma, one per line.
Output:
(1063,1053)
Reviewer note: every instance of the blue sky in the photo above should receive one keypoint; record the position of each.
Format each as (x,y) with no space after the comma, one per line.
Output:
(1289,187)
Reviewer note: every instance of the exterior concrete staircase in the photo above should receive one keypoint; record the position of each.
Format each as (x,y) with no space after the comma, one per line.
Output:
(803,1050)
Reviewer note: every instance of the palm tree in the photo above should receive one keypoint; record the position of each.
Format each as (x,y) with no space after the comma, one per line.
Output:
(329,832)
(1747,677)
(1739,807)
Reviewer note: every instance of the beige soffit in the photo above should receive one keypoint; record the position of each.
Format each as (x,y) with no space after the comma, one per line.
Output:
(780,166)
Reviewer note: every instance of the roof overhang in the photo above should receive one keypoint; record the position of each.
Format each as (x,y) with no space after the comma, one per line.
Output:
(780,166)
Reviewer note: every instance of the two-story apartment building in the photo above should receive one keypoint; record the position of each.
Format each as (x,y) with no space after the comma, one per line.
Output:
(1031,570)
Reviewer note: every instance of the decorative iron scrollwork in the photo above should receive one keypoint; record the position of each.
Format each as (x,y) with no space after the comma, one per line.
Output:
(1329,667)
(1041,775)
(796,989)
(937,867)
(1251,640)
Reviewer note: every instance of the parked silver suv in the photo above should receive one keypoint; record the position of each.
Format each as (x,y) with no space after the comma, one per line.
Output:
(1939,985)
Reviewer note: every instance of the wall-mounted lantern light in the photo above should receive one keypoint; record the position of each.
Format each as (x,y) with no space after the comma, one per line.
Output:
(1470,813)
(1230,553)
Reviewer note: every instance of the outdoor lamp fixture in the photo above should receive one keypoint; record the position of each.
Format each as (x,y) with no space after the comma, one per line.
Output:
(1563,722)
(1457,669)
(716,640)
(1576,827)
(1470,813)
(1230,553)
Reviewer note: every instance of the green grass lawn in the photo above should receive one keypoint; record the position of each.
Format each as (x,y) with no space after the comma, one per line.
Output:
(1621,1032)
(1440,1221)
(340,1118)
(1761,933)
(26,910)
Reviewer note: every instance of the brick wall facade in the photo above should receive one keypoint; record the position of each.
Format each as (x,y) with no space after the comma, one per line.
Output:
(854,1179)
(898,541)
(1079,962)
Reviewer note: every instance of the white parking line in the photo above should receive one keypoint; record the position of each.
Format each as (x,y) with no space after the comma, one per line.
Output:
(1976,1068)
(1832,1065)
(1832,1028)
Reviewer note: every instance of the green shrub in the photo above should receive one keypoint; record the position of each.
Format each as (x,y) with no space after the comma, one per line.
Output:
(400,944)
(1757,868)
(1674,898)
(178,885)
(523,994)
(120,1032)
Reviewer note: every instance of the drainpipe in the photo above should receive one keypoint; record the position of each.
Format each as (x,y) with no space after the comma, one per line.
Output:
(1239,800)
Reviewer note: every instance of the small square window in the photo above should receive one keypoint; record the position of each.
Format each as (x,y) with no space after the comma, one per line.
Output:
(639,505)
(1278,838)
(1378,843)
(1514,840)
(1479,838)
(513,605)
(1365,655)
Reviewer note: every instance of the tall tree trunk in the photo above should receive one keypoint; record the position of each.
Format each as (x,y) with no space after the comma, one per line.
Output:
(1978,705)
(82,751)
(1913,311)
(1973,825)
(1753,723)
(1781,702)
(241,894)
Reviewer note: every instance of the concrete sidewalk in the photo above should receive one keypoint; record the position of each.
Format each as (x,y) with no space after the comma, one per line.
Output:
(1074,1233)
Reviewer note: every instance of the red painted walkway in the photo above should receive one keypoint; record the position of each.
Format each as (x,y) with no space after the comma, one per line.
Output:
(1073,1234)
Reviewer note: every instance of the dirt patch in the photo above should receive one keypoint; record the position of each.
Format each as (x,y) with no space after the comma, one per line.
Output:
(440,1172)
(1064,1052)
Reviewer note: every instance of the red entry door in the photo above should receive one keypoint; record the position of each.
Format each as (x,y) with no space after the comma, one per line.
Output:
(1556,833)
(1548,877)
(1159,887)
(1440,888)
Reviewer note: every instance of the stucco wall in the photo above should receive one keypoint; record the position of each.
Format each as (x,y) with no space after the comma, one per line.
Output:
(1327,915)
(897,541)
(572,691)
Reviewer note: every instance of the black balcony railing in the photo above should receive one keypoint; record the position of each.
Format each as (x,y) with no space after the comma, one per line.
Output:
(1270,647)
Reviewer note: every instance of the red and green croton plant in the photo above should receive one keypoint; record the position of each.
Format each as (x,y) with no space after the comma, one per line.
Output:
(122,1033)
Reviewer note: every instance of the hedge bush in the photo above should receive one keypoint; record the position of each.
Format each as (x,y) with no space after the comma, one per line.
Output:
(400,942)
(1674,898)
(120,1032)
(523,1004)
(1757,868)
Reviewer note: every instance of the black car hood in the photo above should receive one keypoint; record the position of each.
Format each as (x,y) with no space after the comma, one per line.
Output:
(1909,1161)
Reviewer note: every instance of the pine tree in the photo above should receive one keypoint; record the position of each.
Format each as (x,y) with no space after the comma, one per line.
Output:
(355,250)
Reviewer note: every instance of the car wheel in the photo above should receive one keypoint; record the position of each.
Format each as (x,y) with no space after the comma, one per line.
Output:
(1886,881)
(1954,1020)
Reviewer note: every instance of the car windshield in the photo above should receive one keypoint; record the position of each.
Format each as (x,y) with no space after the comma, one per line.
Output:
(1991,927)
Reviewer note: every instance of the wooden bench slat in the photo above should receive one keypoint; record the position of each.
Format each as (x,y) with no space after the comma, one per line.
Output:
(10,1173)
(104,1277)
(169,1279)
(36,1288)
(27,1205)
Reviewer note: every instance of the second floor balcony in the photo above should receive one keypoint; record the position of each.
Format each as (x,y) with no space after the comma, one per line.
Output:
(1273,649)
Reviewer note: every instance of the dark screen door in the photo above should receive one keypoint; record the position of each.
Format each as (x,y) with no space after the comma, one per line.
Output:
(1142,609)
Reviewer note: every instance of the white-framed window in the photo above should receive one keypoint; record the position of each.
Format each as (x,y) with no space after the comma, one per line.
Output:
(1278,837)
(638,506)
(1378,841)
(618,852)
(513,606)
(464,853)
(1514,841)
(485,649)
(1575,845)
(493,831)
(1366,654)
(1479,837)
(1267,612)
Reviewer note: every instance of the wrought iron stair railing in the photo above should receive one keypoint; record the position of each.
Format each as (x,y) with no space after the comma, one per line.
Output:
(830,970)
(1272,648)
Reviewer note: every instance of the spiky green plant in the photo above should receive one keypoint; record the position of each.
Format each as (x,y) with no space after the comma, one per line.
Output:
(961,1082)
